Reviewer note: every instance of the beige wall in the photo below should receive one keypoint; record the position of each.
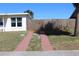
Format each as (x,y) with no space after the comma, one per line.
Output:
(37,23)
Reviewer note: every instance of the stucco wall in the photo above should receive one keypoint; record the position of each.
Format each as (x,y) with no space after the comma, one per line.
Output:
(9,28)
(7,24)
(35,24)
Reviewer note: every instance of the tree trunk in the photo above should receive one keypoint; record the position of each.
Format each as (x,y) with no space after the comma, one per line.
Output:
(76,32)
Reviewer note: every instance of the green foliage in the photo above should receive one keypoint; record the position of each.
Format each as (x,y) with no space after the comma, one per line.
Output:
(66,28)
(30,12)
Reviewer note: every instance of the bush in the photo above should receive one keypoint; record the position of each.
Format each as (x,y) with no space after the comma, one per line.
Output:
(66,28)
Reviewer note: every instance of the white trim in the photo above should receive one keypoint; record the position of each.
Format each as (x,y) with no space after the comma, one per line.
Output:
(14,13)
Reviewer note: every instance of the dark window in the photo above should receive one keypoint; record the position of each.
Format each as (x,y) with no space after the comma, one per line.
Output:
(13,22)
(19,22)
(1,22)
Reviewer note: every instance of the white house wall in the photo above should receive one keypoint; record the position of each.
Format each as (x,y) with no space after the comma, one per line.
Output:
(9,28)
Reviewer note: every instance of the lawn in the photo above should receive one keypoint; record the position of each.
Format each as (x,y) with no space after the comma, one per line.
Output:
(63,42)
(34,44)
(9,40)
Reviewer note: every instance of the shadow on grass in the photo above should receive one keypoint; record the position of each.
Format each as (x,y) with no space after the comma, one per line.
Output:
(51,29)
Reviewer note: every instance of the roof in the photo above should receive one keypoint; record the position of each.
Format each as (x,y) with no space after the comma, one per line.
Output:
(2,14)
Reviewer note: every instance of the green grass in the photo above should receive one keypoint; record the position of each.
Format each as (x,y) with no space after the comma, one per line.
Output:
(63,42)
(9,40)
(34,44)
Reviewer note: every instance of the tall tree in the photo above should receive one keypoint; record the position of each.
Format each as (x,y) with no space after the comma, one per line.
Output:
(75,15)
(76,32)
(30,12)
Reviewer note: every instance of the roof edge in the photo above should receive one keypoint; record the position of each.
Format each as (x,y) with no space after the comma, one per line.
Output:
(14,13)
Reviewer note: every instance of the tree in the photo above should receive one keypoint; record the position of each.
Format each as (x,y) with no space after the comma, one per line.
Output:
(30,12)
(76,15)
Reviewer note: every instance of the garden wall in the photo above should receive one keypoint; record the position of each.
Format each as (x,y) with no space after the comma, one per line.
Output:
(63,24)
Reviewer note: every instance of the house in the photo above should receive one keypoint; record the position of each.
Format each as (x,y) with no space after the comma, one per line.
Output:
(13,21)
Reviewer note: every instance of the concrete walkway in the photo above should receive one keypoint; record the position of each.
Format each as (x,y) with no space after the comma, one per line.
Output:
(45,44)
(23,45)
(42,53)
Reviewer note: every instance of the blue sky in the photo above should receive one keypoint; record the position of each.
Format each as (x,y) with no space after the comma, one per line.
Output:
(41,10)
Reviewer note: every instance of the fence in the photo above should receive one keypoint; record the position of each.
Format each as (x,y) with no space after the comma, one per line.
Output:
(62,24)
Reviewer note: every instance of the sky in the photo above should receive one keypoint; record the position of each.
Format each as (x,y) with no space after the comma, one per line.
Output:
(40,10)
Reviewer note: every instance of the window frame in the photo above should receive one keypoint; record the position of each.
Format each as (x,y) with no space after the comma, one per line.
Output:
(13,22)
(17,21)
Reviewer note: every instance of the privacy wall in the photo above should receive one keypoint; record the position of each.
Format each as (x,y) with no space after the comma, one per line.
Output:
(62,24)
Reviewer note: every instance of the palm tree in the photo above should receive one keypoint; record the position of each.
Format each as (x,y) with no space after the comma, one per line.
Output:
(30,12)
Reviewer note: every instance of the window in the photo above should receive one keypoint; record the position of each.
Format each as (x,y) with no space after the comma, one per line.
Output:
(19,22)
(1,22)
(13,22)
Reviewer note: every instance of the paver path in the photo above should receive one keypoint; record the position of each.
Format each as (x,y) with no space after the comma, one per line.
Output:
(45,44)
(23,45)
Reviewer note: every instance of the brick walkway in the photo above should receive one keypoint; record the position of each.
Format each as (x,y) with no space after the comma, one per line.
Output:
(23,45)
(45,44)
